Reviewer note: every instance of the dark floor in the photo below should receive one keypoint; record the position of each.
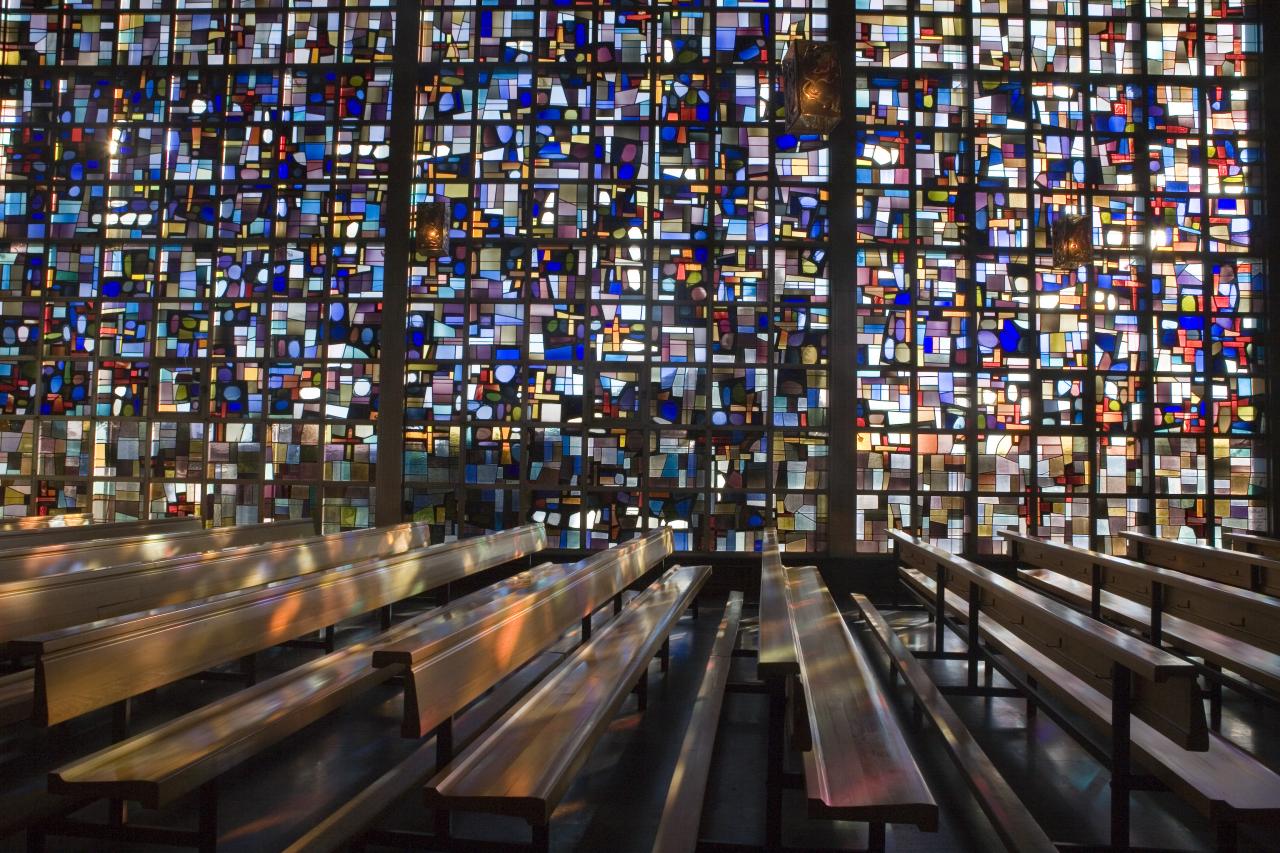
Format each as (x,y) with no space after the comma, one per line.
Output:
(616,802)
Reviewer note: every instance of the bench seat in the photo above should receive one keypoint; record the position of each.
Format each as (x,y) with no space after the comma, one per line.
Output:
(682,813)
(1009,817)
(523,765)
(859,767)
(1224,783)
(1258,665)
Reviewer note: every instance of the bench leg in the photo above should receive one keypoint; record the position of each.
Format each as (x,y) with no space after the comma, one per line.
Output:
(208,820)
(1225,839)
(541,836)
(1215,696)
(330,634)
(443,824)
(774,767)
(617,604)
(694,607)
(664,654)
(1121,707)
(444,744)
(586,628)
(249,669)
(875,838)
(35,840)
(642,690)
(1031,701)
(384,617)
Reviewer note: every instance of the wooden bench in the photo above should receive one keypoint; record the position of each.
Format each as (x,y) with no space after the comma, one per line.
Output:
(19,539)
(95,666)
(777,655)
(682,812)
(1015,826)
(178,757)
(429,657)
(1222,782)
(1253,543)
(1234,568)
(523,765)
(559,596)
(1164,691)
(42,604)
(1223,624)
(84,554)
(859,767)
(76,518)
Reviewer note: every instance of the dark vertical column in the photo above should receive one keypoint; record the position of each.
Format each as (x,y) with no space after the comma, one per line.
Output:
(389,479)
(841,268)
(1271,234)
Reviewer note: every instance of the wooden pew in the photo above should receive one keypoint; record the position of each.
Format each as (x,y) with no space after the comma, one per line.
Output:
(79,518)
(171,761)
(1234,568)
(14,540)
(1015,826)
(1253,543)
(682,812)
(777,656)
(40,561)
(429,658)
(1228,626)
(43,604)
(524,764)
(486,647)
(1223,782)
(860,767)
(95,666)
(1164,691)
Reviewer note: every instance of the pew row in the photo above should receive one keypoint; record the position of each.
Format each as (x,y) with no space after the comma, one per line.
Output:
(777,654)
(174,759)
(95,666)
(75,518)
(1223,783)
(16,540)
(563,594)
(859,767)
(429,657)
(40,605)
(1253,543)
(1161,687)
(1214,621)
(85,554)
(523,765)
(1234,568)
(682,812)
(1017,829)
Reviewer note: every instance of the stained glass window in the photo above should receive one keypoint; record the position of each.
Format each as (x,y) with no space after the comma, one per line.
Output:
(191,257)
(631,326)
(995,391)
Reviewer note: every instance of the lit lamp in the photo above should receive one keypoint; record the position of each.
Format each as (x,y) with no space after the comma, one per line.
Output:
(811,87)
(431,233)
(1072,242)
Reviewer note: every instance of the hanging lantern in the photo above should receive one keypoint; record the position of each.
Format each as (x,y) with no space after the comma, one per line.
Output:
(431,234)
(811,86)
(1072,242)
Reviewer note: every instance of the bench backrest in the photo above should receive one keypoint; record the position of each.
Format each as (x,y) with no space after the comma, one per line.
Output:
(861,758)
(12,524)
(1165,695)
(91,667)
(466,648)
(40,605)
(1253,543)
(14,542)
(777,655)
(86,554)
(1234,568)
(1238,613)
